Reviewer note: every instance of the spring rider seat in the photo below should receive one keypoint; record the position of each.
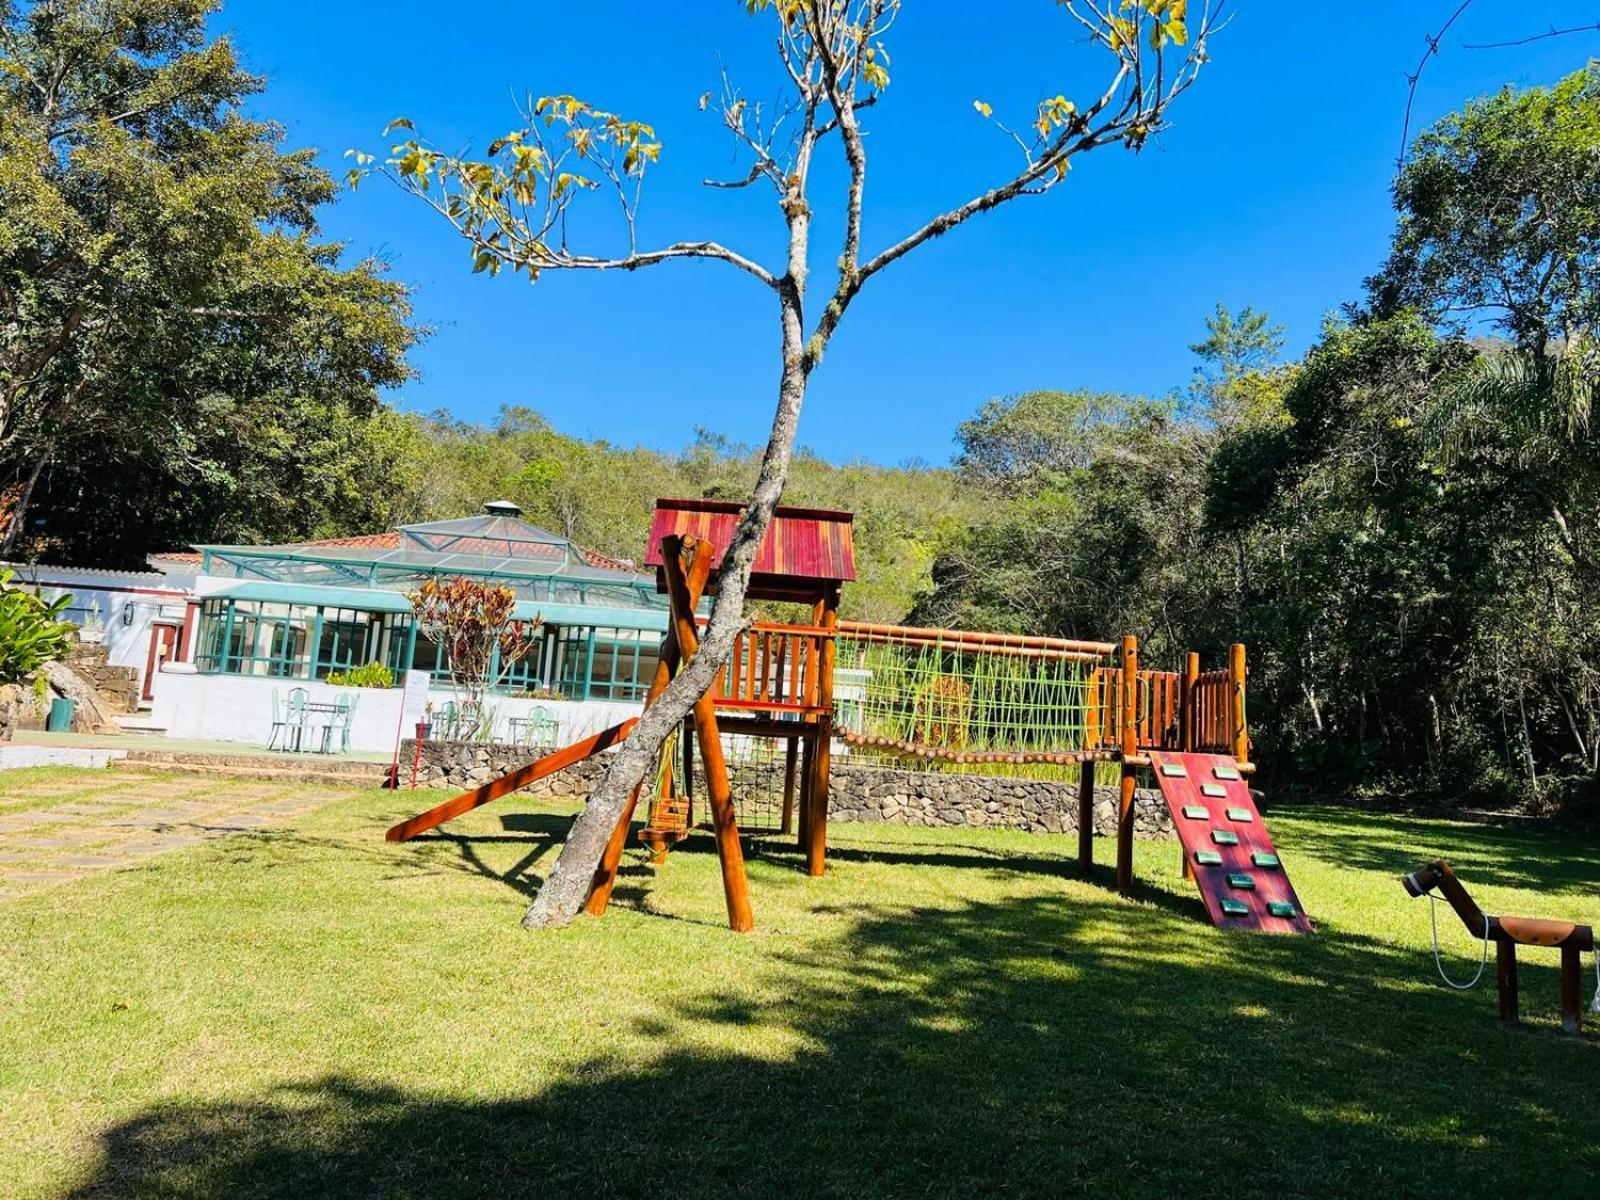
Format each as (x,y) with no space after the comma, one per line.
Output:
(1508,933)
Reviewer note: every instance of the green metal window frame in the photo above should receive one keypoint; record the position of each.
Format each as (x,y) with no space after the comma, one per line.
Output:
(277,640)
(281,640)
(602,663)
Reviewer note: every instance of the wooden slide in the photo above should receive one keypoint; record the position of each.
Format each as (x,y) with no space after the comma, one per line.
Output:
(510,782)
(1226,844)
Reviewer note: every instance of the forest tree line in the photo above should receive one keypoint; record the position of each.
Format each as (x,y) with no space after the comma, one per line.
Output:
(1401,523)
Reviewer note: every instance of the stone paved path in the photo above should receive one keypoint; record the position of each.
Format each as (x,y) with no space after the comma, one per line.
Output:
(55,831)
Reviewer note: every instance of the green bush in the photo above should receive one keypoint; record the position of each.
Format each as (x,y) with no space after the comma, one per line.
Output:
(31,632)
(373,675)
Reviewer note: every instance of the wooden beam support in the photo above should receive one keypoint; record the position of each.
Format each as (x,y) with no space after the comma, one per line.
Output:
(817,829)
(1086,818)
(510,782)
(791,751)
(730,854)
(605,875)
(1571,992)
(1189,729)
(1505,974)
(1130,735)
(1238,730)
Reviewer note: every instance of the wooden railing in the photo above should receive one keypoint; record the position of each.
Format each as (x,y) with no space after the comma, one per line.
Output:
(1189,710)
(1211,717)
(775,668)
(1158,709)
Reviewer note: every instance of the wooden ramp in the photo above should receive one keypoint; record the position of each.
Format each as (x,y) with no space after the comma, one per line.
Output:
(510,782)
(1226,844)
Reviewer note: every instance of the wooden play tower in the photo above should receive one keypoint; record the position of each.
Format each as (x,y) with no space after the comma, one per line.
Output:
(777,683)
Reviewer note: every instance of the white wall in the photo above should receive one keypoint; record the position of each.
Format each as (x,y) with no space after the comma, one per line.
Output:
(236,708)
(144,596)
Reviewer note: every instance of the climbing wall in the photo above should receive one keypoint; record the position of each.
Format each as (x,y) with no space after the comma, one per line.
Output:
(1227,844)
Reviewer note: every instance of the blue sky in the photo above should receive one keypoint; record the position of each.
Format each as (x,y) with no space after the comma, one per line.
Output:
(1272,190)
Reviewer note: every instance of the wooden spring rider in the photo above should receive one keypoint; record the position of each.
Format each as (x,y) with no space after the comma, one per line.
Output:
(778,683)
(1507,933)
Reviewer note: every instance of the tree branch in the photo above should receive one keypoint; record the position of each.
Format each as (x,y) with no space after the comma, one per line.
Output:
(1415,77)
(1552,32)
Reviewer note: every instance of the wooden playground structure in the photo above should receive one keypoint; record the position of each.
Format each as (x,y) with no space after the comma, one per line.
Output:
(935,698)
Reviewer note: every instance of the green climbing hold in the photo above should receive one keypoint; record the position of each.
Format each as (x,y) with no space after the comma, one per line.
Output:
(1225,772)
(1224,837)
(1196,812)
(1235,908)
(1174,769)
(1213,789)
(1240,814)
(1281,908)
(1242,882)
(1208,858)
(1264,860)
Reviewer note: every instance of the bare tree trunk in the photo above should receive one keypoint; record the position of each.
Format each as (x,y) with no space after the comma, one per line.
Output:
(565,891)
(20,513)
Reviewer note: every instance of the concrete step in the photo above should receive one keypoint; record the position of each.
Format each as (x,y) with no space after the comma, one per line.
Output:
(139,722)
(274,767)
(258,760)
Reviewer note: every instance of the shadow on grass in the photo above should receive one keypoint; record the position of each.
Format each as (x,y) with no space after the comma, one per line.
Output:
(1045,1046)
(1544,860)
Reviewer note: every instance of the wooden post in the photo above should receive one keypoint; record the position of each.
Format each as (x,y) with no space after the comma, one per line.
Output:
(1086,818)
(817,831)
(1571,996)
(1189,726)
(687,736)
(605,876)
(1236,715)
(1130,748)
(1505,973)
(735,884)
(808,747)
(791,748)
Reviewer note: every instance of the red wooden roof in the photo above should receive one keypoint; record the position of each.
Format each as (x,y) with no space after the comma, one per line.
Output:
(804,545)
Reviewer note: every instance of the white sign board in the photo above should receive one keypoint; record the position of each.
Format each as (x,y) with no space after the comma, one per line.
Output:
(413,708)
(414,701)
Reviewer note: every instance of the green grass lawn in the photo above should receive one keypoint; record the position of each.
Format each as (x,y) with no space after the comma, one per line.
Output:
(311,1012)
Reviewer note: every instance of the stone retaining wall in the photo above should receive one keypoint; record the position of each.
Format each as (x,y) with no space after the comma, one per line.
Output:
(462,765)
(861,793)
(858,793)
(118,686)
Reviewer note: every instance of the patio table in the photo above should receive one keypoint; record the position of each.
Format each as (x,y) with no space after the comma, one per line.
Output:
(313,709)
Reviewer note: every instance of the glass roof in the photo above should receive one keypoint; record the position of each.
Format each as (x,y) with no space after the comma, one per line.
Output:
(533,562)
(490,536)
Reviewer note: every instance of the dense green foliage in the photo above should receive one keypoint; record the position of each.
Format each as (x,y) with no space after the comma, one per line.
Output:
(1402,525)
(32,632)
(1500,215)
(167,316)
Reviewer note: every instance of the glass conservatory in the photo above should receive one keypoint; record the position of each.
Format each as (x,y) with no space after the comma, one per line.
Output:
(302,611)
